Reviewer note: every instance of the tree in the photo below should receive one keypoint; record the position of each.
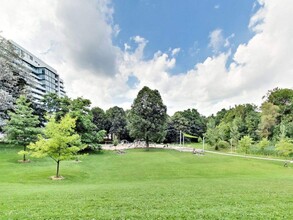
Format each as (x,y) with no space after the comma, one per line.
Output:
(268,119)
(21,128)
(245,143)
(117,122)
(212,134)
(283,98)
(99,118)
(175,124)
(263,144)
(59,142)
(80,109)
(148,117)
(285,146)
(234,130)
(58,106)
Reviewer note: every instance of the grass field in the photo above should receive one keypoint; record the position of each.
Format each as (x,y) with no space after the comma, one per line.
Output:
(160,184)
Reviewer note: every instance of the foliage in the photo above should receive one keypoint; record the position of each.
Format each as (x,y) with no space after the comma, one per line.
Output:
(59,142)
(188,121)
(234,130)
(285,146)
(116,117)
(21,128)
(263,144)
(269,115)
(99,118)
(55,105)
(148,118)
(80,109)
(245,143)
(283,98)
(212,135)
(115,141)
(223,144)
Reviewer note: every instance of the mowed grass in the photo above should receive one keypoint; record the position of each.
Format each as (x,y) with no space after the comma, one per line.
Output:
(159,184)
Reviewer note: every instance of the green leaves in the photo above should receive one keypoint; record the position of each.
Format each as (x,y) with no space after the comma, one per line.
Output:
(59,142)
(245,143)
(22,129)
(148,118)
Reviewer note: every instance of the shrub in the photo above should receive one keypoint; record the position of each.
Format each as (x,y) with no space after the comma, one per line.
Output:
(285,147)
(245,143)
(270,150)
(254,149)
(263,144)
(115,142)
(223,144)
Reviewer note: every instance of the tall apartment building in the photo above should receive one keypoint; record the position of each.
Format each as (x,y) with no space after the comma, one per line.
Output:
(45,79)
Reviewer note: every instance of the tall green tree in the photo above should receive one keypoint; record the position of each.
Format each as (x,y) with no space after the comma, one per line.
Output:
(59,142)
(117,122)
(269,114)
(99,118)
(212,134)
(283,98)
(234,131)
(148,117)
(55,105)
(80,109)
(22,128)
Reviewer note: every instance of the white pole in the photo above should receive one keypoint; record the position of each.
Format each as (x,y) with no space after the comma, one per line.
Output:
(203,143)
(180,138)
(183,139)
(231,145)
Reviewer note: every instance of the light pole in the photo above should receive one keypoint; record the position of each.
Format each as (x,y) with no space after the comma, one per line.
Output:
(180,138)
(203,143)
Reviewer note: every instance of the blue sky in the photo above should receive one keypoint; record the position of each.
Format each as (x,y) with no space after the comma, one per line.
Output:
(231,52)
(183,24)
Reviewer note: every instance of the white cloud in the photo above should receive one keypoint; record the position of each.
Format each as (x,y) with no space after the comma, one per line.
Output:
(216,40)
(175,51)
(227,40)
(80,47)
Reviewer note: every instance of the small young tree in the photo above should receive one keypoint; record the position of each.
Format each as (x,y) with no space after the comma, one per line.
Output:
(285,146)
(21,128)
(245,143)
(263,144)
(59,142)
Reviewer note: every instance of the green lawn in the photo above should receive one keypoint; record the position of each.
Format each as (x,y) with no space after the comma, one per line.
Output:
(160,184)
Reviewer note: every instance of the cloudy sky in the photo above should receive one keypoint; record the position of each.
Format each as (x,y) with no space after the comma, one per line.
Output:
(203,54)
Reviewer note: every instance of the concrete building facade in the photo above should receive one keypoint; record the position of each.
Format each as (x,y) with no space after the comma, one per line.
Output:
(45,78)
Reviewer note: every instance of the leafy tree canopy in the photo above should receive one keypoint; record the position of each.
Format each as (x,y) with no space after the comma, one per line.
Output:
(148,117)
(22,129)
(59,142)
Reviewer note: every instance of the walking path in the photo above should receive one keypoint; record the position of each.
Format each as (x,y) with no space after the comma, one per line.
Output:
(186,149)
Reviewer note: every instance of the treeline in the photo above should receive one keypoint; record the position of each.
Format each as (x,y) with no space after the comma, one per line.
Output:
(264,130)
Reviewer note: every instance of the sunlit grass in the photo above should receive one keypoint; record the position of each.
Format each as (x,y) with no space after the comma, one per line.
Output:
(159,184)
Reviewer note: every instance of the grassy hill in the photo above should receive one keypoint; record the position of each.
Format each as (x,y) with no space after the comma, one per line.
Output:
(160,184)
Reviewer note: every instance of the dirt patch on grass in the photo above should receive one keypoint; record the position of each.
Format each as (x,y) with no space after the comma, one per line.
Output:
(24,161)
(57,178)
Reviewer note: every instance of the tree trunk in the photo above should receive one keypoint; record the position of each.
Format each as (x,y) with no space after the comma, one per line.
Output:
(147,142)
(24,149)
(57,172)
